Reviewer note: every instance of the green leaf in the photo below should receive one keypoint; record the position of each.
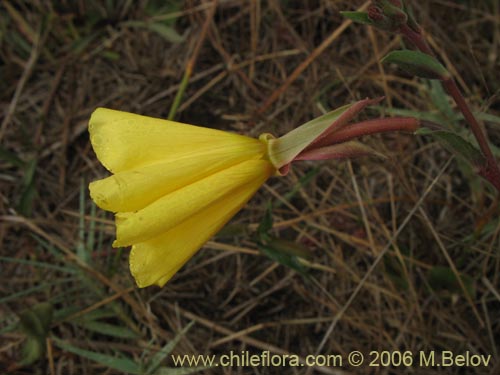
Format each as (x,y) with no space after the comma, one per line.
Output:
(394,270)
(109,329)
(290,248)
(81,44)
(29,190)
(421,115)
(11,158)
(167,32)
(266,224)
(37,264)
(36,321)
(102,313)
(424,131)
(439,99)
(124,365)
(232,230)
(487,117)
(303,181)
(82,251)
(458,145)
(444,279)
(155,362)
(164,10)
(358,17)
(286,253)
(417,63)
(111,55)
(33,349)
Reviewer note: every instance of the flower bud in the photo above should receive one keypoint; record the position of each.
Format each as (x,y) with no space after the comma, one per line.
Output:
(387,15)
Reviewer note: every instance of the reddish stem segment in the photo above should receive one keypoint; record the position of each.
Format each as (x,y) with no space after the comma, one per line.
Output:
(491,171)
(380,125)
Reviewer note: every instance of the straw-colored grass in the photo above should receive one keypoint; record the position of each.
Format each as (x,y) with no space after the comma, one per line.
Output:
(387,237)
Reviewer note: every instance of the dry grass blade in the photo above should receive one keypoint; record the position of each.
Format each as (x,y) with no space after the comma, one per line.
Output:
(402,252)
(379,257)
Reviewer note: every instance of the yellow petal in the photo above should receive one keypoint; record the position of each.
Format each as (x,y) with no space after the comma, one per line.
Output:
(134,189)
(157,260)
(174,208)
(124,141)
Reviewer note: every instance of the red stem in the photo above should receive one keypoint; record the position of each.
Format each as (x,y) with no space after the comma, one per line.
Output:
(380,125)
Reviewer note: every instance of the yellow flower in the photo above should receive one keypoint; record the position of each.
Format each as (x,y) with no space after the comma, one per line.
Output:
(174,186)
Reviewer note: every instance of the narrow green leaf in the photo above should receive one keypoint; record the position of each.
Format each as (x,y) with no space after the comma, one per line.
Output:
(424,131)
(125,365)
(29,190)
(25,292)
(91,245)
(155,362)
(425,116)
(303,181)
(166,11)
(444,279)
(458,145)
(168,33)
(25,206)
(111,55)
(395,272)
(101,313)
(81,44)
(417,63)
(358,17)
(266,224)
(291,248)
(233,230)
(33,349)
(286,253)
(10,157)
(35,263)
(81,250)
(440,100)
(36,321)
(109,329)
(487,117)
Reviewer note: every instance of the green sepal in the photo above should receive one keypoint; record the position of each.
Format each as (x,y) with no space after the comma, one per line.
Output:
(282,151)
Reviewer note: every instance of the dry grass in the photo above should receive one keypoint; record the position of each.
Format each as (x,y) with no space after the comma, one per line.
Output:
(377,229)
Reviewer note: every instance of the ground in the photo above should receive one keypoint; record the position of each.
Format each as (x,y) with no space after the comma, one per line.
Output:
(387,237)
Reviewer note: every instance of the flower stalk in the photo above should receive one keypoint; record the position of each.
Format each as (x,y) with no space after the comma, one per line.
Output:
(396,16)
(491,171)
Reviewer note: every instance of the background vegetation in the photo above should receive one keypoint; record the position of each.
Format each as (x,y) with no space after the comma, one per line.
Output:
(387,238)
